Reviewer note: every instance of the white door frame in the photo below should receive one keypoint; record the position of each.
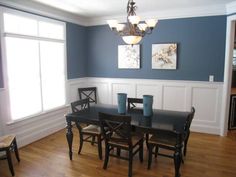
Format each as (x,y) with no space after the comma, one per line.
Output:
(229,45)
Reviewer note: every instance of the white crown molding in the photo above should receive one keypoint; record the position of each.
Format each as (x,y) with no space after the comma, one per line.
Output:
(167,14)
(44,10)
(231,8)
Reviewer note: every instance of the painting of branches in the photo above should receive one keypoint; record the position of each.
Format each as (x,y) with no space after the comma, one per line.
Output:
(128,57)
(164,56)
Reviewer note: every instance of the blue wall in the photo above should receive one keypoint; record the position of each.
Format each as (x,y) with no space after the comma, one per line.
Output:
(201,50)
(76,51)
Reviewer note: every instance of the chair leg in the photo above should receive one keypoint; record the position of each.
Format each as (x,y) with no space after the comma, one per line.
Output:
(156,151)
(150,148)
(80,137)
(100,147)
(118,152)
(107,151)
(147,138)
(141,151)
(80,143)
(93,140)
(16,150)
(185,144)
(8,153)
(130,162)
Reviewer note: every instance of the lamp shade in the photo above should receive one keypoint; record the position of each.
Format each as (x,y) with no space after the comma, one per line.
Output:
(132,39)
(142,26)
(112,23)
(151,22)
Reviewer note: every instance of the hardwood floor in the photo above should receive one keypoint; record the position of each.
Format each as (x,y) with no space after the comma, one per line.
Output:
(207,156)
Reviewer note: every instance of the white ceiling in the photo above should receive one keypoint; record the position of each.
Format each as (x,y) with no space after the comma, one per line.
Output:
(103,8)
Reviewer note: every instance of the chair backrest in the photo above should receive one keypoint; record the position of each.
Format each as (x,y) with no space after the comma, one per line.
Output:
(189,120)
(89,92)
(116,128)
(80,105)
(132,102)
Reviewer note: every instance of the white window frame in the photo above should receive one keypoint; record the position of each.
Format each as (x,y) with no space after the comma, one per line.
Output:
(4,59)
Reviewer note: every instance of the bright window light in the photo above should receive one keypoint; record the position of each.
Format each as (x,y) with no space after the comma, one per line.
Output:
(35,65)
(49,30)
(19,25)
(23,77)
(53,74)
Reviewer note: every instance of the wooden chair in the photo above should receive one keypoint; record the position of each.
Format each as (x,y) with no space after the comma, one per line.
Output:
(117,133)
(8,144)
(187,129)
(169,140)
(87,133)
(132,103)
(89,92)
(172,141)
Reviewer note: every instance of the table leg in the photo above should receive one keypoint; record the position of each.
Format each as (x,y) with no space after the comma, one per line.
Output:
(177,160)
(69,136)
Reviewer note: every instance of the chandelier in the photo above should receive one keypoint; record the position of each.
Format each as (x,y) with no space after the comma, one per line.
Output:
(132,32)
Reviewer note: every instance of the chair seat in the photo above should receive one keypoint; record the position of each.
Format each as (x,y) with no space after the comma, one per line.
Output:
(6,141)
(93,129)
(135,138)
(163,140)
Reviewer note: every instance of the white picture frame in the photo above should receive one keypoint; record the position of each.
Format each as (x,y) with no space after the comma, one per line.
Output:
(164,56)
(129,56)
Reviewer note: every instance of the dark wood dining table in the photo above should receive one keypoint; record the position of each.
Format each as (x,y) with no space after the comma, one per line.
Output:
(160,120)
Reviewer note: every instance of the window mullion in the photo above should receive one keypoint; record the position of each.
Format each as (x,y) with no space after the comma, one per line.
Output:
(40,77)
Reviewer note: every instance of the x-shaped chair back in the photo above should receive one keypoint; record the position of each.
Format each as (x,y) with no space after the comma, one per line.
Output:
(80,105)
(89,92)
(116,128)
(132,102)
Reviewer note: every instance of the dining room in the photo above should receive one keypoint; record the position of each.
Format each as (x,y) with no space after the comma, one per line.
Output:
(173,58)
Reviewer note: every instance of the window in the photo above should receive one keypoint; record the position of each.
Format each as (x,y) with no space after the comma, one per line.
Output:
(35,60)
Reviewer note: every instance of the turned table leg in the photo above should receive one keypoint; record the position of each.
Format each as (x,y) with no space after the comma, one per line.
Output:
(69,136)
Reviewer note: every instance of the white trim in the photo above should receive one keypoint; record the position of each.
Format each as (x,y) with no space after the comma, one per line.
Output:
(230,28)
(212,10)
(231,8)
(40,9)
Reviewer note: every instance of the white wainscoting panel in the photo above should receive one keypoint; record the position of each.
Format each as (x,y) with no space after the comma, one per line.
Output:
(168,94)
(155,90)
(122,88)
(174,97)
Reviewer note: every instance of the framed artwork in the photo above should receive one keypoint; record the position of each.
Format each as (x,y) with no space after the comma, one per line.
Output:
(129,56)
(164,56)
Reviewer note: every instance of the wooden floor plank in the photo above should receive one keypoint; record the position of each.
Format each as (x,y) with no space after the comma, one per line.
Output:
(208,156)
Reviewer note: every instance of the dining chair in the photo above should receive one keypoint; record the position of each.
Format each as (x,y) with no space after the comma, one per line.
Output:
(88,132)
(133,102)
(187,129)
(132,106)
(169,140)
(8,144)
(88,92)
(91,94)
(117,133)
